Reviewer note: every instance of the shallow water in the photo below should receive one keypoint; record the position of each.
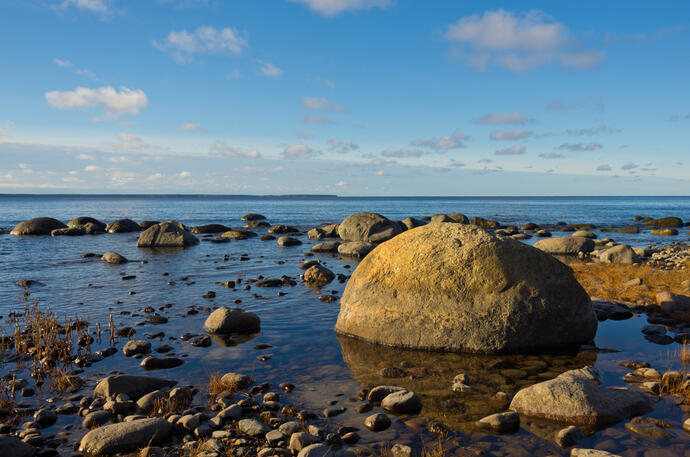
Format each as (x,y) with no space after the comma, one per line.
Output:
(299,327)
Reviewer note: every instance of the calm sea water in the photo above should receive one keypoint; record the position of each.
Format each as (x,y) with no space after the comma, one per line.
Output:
(298,326)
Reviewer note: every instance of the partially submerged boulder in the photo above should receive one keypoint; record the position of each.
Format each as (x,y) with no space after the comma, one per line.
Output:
(565,245)
(37,226)
(113,258)
(84,221)
(123,226)
(356,249)
(166,235)
(210,228)
(133,386)
(369,227)
(455,287)
(232,320)
(318,276)
(576,398)
(125,436)
(68,231)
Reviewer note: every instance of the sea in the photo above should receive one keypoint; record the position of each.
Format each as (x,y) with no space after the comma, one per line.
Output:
(297,343)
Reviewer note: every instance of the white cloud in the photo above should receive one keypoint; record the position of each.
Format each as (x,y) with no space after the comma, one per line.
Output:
(85,157)
(577,147)
(453,141)
(130,142)
(5,130)
(504,118)
(96,6)
(182,45)
(341,183)
(92,168)
(511,151)
(518,42)
(502,135)
(184,175)
(380,173)
(114,103)
(402,153)
(190,127)
(268,69)
(330,8)
(155,177)
(323,104)
(62,63)
(342,147)
(225,150)
(298,151)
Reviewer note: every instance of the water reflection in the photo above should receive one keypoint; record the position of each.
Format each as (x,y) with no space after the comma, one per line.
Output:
(431,374)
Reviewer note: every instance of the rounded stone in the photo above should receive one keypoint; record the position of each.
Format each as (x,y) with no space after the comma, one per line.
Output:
(232,320)
(37,226)
(454,287)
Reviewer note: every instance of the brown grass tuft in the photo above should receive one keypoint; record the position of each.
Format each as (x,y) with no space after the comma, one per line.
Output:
(606,281)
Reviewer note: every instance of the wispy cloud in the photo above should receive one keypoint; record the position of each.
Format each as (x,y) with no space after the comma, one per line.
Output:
(452,141)
(224,150)
(190,127)
(113,102)
(518,42)
(514,117)
(579,147)
(330,8)
(322,104)
(299,151)
(402,153)
(315,120)
(342,147)
(183,45)
(604,167)
(593,130)
(270,70)
(511,151)
(552,155)
(96,6)
(502,135)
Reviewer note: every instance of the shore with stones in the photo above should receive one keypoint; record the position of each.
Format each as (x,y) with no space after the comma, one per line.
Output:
(232,414)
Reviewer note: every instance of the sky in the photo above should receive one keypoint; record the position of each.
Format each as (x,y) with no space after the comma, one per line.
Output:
(346,97)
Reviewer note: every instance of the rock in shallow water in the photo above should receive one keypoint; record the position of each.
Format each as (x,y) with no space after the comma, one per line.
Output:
(232,320)
(166,235)
(455,287)
(132,386)
(369,227)
(37,226)
(575,397)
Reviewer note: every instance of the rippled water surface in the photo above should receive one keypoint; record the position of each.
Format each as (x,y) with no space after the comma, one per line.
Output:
(298,326)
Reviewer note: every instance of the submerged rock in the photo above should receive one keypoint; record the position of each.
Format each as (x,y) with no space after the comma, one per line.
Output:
(166,235)
(125,436)
(575,397)
(456,287)
(37,226)
(232,320)
(369,227)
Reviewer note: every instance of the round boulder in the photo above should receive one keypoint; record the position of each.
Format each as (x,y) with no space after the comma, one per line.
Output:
(37,226)
(232,320)
(114,258)
(455,287)
(166,235)
(370,227)
(122,226)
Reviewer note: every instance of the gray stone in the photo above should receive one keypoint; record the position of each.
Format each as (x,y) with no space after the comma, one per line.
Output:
(37,226)
(565,245)
(166,235)
(135,347)
(232,320)
(113,258)
(356,249)
(125,436)
(402,402)
(507,422)
(133,386)
(252,427)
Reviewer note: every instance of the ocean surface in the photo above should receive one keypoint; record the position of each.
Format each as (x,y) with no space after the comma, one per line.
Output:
(304,349)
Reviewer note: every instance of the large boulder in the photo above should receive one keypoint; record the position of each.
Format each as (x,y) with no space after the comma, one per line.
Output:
(210,228)
(37,226)
(455,287)
(125,436)
(166,235)
(224,321)
(370,227)
(122,226)
(355,249)
(576,398)
(133,386)
(565,245)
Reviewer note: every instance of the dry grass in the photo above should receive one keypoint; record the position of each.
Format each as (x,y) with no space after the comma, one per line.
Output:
(434,451)
(216,385)
(606,281)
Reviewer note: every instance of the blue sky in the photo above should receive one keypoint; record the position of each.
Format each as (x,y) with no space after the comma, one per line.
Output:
(348,97)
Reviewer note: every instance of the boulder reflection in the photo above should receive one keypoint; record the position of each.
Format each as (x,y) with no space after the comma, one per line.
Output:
(430,375)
